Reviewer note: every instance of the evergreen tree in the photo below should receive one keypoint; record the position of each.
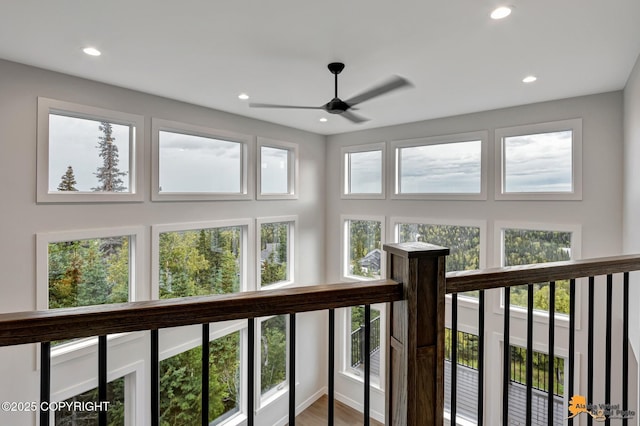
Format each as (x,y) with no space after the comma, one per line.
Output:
(109,175)
(68,181)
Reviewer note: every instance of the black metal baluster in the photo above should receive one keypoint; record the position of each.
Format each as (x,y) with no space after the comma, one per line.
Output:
(367,363)
(205,375)
(454,356)
(331,372)
(155,378)
(102,378)
(551,355)
(625,346)
(607,381)
(251,347)
(45,380)
(506,368)
(590,348)
(292,369)
(529,353)
(481,358)
(572,339)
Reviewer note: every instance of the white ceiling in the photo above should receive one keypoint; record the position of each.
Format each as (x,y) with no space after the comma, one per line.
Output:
(206,52)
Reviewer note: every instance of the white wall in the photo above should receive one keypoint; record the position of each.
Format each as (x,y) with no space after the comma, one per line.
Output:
(598,214)
(631,209)
(22,218)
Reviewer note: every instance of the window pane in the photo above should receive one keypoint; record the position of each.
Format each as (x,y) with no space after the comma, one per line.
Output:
(198,164)
(365,254)
(538,163)
(273,353)
(200,262)
(275,170)
(364,172)
(442,168)
(88,272)
(523,247)
(274,252)
(88,155)
(181,383)
(77,417)
(357,341)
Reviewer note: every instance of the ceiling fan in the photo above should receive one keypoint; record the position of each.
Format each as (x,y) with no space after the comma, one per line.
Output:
(345,108)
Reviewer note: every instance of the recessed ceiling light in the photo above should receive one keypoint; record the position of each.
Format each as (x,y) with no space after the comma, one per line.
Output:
(501,12)
(243,96)
(92,51)
(323,120)
(529,79)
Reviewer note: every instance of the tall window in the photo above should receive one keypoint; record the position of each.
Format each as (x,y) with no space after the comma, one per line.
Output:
(88,154)
(276,251)
(197,163)
(200,261)
(115,409)
(447,167)
(181,383)
(363,171)
(541,161)
(363,248)
(277,169)
(273,355)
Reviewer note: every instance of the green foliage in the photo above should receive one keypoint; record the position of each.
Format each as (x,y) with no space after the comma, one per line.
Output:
(115,412)
(274,353)
(364,236)
(274,252)
(68,181)
(109,175)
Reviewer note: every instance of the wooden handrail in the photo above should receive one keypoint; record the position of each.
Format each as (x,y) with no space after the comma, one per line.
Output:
(60,324)
(485,279)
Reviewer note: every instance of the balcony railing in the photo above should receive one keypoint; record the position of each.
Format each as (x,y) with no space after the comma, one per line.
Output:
(357,342)
(415,331)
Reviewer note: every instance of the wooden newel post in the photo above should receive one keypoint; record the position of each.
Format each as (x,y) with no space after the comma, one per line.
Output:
(415,373)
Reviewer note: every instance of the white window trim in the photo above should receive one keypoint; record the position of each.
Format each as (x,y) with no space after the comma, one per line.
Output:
(344,251)
(246,283)
(246,171)
(137,260)
(136,153)
(272,395)
(394,164)
(576,254)
(575,125)
(292,169)
(291,250)
(345,172)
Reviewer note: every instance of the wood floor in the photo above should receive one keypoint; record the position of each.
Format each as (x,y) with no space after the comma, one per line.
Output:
(316,414)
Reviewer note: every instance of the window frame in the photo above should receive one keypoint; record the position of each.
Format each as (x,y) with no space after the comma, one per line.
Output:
(291,250)
(344,246)
(246,142)
(247,282)
(345,171)
(137,262)
(273,394)
(575,125)
(48,106)
(292,169)
(396,146)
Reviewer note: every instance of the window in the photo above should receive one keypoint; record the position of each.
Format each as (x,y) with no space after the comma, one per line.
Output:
(273,355)
(357,340)
(524,245)
(445,167)
(540,161)
(363,171)
(278,169)
(75,417)
(463,241)
(83,268)
(363,257)
(88,154)
(276,245)
(200,258)
(197,163)
(181,383)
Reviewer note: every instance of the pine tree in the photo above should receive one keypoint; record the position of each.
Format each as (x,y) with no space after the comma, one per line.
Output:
(109,175)
(68,181)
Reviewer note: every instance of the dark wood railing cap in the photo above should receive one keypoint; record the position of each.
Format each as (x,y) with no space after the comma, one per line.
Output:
(415,249)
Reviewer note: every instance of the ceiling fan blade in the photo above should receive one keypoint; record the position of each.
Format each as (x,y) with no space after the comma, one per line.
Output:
(257,105)
(355,118)
(393,83)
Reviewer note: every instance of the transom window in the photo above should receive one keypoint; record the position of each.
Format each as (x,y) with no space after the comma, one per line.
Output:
(363,171)
(277,169)
(541,161)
